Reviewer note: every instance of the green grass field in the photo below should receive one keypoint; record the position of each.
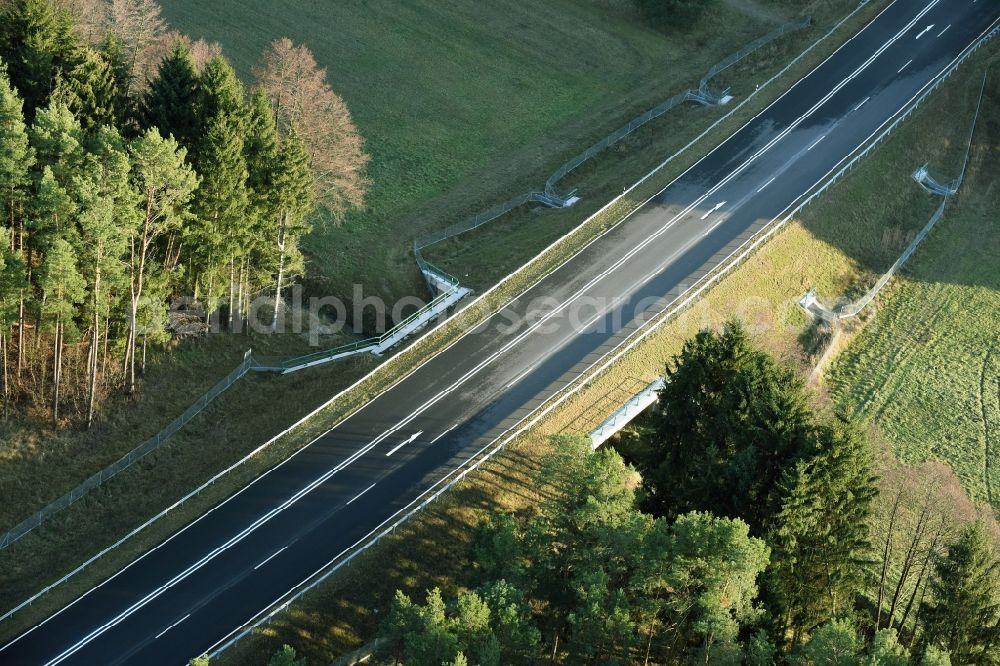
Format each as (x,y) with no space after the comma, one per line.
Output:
(926,370)
(465,103)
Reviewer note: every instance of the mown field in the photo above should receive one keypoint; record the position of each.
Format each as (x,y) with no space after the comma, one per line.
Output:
(926,370)
(838,245)
(464,104)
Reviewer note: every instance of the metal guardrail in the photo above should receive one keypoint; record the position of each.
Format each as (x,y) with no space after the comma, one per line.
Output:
(133,456)
(549,194)
(811,304)
(248,364)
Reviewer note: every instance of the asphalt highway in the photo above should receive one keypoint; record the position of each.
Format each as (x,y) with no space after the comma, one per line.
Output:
(213,576)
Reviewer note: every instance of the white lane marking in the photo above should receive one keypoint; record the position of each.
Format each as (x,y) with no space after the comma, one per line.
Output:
(444,433)
(172,626)
(271,557)
(863,102)
(565,304)
(76,647)
(769,181)
(816,142)
(904,66)
(925,31)
(945,30)
(361,493)
(714,208)
(520,376)
(402,444)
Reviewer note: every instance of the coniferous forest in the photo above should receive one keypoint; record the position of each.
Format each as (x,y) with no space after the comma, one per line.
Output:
(136,168)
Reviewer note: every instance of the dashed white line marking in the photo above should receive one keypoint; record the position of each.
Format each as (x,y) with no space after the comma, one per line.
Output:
(925,31)
(816,142)
(402,444)
(714,208)
(269,558)
(904,66)
(349,501)
(863,102)
(444,433)
(945,30)
(769,181)
(172,626)
(520,376)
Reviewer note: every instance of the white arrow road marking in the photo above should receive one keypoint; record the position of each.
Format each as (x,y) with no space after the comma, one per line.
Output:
(925,31)
(172,626)
(715,208)
(399,446)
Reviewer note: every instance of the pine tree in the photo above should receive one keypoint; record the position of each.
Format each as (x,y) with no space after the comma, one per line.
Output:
(107,216)
(12,284)
(221,207)
(16,159)
(58,140)
(263,167)
(962,613)
(64,291)
(37,43)
(165,183)
(171,103)
(16,155)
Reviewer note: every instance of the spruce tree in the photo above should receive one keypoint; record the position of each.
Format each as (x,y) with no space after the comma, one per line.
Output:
(37,43)
(820,538)
(92,91)
(732,419)
(295,196)
(171,103)
(962,612)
